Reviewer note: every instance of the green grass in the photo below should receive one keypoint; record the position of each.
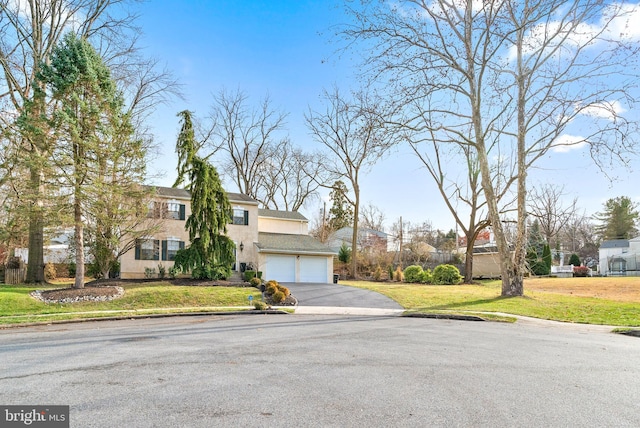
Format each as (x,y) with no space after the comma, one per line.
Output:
(17,306)
(464,299)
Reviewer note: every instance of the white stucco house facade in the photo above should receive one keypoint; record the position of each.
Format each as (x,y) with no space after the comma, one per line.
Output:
(620,257)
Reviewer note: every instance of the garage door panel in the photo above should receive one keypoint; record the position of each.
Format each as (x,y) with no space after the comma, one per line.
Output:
(313,269)
(281,268)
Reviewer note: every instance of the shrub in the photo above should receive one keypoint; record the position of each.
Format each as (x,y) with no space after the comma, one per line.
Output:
(581,271)
(413,273)
(173,272)
(272,282)
(149,272)
(249,275)
(255,282)
(377,274)
(398,274)
(270,287)
(14,263)
(574,260)
(49,272)
(390,272)
(426,277)
(260,305)
(259,274)
(284,290)
(72,270)
(278,297)
(93,271)
(162,271)
(446,275)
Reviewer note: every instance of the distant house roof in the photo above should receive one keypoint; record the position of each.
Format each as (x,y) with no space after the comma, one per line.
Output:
(288,244)
(485,249)
(174,192)
(285,215)
(347,232)
(615,243)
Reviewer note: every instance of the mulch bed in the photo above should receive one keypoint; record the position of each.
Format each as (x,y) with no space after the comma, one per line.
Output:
(72,295)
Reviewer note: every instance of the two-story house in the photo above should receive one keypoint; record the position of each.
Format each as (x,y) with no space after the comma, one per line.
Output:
(274,242)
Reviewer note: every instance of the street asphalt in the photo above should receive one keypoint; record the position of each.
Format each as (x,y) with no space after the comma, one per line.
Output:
(323,371)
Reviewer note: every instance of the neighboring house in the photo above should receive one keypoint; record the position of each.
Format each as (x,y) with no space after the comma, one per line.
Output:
(620,257)
(274,242)
(486,261)
(368,239)
(57,248)
(485,236)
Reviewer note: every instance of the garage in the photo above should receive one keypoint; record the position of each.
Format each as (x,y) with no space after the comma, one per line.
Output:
(282,268)
(313,269)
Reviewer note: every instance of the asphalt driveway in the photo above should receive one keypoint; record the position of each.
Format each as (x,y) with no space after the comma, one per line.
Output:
(338,295)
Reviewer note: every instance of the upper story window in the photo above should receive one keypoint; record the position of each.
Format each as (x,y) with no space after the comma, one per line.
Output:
(174,210)
(171,209)
(240,216)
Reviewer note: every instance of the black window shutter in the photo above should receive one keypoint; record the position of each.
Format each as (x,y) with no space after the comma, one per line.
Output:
(137,249)
(164,250)
(181,245)
(156,249)
(246,218)
(182,212)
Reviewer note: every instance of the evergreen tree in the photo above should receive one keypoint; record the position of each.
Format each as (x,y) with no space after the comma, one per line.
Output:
(341,212)
(88,120)
(619,219)
(211,253)
(546,258)
(574,260)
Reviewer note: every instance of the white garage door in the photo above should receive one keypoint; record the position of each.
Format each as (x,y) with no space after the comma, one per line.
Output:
(313,269)
(280,268)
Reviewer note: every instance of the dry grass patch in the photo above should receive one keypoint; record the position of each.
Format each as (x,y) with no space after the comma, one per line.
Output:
(621,289)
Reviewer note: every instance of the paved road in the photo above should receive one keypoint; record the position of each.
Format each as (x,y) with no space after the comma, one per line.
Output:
(340,296)
(324,371)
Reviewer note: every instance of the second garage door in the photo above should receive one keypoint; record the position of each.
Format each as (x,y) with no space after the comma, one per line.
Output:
(313,269)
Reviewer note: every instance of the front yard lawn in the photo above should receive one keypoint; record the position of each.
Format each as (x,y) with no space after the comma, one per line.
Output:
(605,301)
(17,306)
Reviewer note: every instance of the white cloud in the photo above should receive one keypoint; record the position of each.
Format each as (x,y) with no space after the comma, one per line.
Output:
(604,110)
(565,143)
(623,26)
(626,26)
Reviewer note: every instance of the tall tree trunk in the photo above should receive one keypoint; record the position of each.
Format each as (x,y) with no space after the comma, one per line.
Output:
(79,232)
(468,263)
(35,265)
(354,237)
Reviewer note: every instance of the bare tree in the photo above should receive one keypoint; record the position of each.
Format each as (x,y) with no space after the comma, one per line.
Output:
(260,160)
(246,136)
(546,204)
(372,218)
(355,136)
(441,160)
(291,177)
(506,79)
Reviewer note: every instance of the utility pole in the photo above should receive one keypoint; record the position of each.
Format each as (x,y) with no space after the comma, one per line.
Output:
(401,241)
(324,225)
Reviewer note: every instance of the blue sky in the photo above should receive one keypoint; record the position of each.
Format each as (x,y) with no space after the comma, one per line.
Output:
(284,49)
